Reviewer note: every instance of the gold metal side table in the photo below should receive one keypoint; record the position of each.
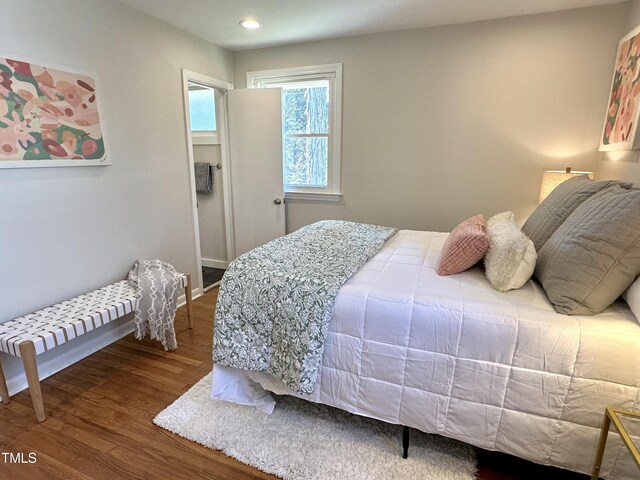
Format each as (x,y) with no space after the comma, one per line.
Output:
(614,415)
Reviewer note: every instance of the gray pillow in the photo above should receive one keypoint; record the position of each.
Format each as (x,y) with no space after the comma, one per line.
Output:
(593,257)
(557,207)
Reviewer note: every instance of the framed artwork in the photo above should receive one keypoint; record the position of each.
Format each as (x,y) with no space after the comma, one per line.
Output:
(48,117)
(621,123)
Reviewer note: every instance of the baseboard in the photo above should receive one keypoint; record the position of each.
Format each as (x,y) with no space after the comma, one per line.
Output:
(210,262)
(52,362)
(195,293)
(212,286)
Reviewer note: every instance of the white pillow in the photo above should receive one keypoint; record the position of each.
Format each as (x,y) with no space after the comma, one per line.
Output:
(632,297)
(511,258)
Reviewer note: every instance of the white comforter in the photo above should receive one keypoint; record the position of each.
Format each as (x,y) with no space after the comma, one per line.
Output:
(449,355)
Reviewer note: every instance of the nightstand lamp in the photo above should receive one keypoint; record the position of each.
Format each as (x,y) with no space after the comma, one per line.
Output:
(552,178)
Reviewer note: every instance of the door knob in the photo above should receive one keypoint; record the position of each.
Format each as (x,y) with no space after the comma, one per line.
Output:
(277,201)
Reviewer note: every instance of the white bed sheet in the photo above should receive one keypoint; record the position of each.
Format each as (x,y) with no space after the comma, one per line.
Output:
(449,355)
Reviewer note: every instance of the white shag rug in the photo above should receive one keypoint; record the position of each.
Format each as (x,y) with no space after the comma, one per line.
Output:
(302,440)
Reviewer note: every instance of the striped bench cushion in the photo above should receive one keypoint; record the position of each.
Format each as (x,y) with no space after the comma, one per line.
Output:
(64,321)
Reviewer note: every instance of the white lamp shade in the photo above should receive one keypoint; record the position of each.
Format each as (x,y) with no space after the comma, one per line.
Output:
(552,178)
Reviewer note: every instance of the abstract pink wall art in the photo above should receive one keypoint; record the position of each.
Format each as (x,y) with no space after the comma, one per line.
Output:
(48,117)
(623,110)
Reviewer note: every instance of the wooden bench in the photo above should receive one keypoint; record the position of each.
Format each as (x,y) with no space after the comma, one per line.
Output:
(41,331)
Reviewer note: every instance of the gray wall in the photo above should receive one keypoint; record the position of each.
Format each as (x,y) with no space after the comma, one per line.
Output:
(624,164)
(213,241)
(442,123)
(66,231)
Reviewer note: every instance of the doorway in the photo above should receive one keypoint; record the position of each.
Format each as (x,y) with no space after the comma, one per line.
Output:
(205,120)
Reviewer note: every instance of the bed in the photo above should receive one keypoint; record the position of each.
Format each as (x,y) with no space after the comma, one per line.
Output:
(451,356)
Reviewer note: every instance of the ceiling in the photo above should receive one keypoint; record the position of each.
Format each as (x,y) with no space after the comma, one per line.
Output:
(294,21)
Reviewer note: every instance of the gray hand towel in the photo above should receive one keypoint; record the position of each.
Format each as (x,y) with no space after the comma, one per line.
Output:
(204,177)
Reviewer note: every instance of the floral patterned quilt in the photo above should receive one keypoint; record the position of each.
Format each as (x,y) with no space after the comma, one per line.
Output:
(275,302)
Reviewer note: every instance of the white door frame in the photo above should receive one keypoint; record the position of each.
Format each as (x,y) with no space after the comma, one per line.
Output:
(223,132)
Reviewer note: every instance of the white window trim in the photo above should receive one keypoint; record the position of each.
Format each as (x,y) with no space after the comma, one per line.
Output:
(332,192)
(323,196)
(205,137)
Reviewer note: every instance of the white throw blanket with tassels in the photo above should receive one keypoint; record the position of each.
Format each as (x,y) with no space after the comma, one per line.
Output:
(157,286)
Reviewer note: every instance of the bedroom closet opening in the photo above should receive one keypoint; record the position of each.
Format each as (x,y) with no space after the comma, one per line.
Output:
(204,117)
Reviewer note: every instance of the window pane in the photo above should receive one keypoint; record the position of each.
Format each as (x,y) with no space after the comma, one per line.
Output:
(202,109)
(305,109)
(305,161)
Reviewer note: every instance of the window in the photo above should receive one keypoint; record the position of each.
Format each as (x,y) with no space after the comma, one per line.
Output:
(311,115)
(202,113)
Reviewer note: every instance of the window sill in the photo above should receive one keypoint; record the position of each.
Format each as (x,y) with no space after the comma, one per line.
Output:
(313,196)
(204,139)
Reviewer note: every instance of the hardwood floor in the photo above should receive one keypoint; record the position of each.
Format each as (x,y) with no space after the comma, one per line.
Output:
(100,413)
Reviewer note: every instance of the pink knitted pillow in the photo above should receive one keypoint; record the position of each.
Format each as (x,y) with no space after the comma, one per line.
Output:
(465,246)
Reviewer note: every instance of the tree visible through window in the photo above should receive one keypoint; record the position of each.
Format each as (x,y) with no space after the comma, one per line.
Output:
(305,126)
(311,115)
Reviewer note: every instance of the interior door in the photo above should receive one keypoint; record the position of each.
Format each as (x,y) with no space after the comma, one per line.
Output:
(255,150)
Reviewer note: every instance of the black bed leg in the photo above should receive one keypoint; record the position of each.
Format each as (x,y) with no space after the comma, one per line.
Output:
(405,442)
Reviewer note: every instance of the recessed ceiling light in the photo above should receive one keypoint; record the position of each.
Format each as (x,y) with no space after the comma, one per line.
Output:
(250,23)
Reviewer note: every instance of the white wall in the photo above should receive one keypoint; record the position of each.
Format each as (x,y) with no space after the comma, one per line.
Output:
(65,231)
(634,15)
(442,123)
(624,164)
(213,241)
